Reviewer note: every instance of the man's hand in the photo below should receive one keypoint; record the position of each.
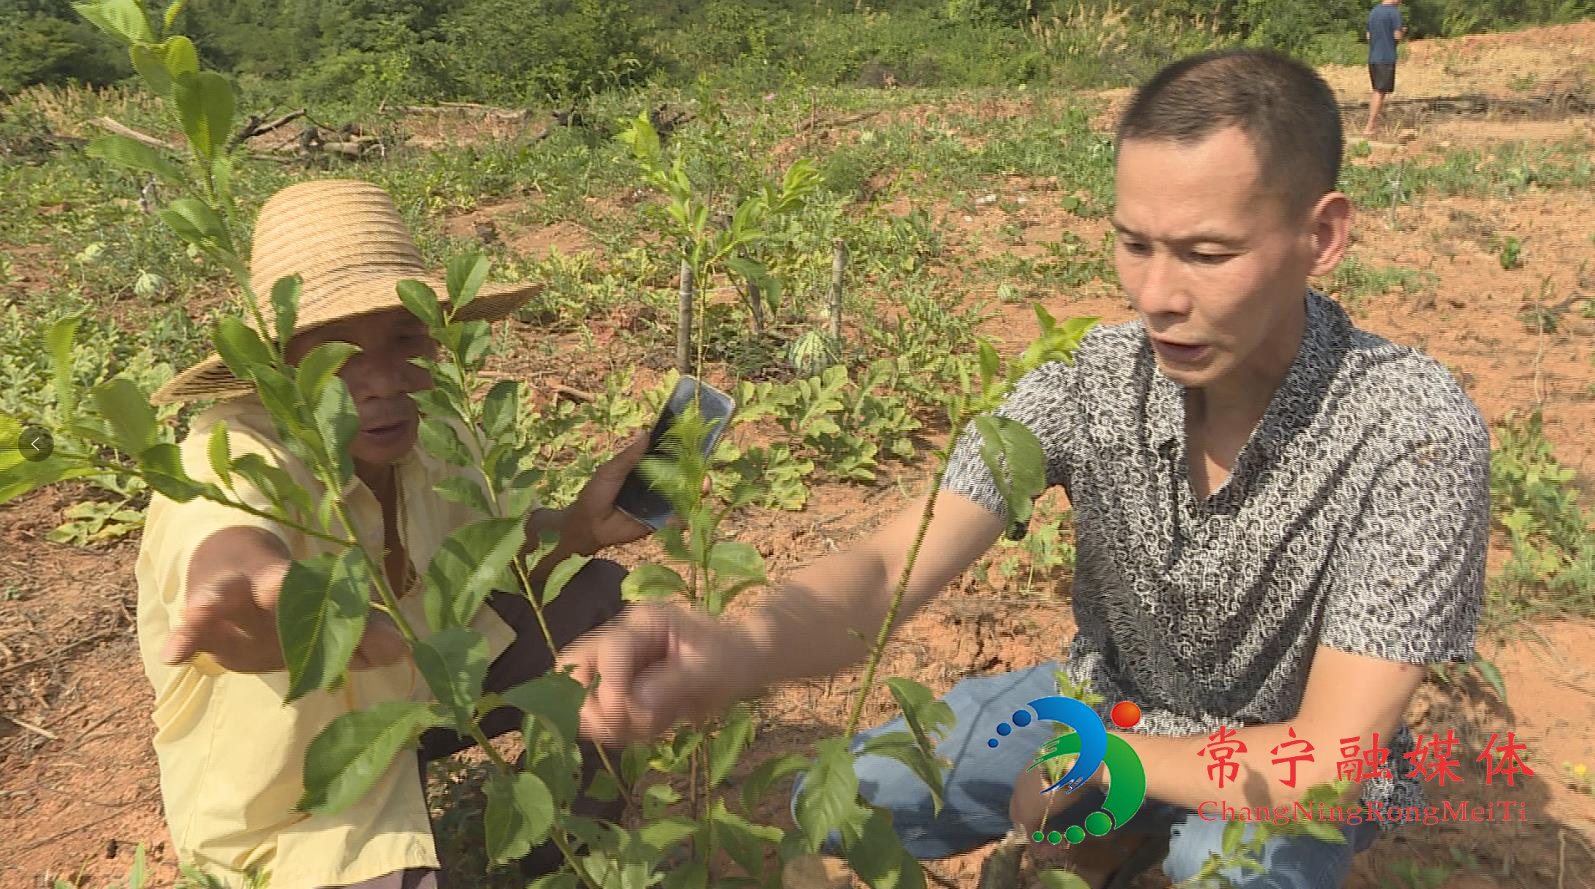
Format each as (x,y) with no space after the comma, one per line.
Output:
(592,522)
(656,666)
(234,581)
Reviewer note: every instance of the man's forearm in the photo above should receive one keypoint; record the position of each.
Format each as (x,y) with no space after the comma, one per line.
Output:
(822,620)
(1177,769)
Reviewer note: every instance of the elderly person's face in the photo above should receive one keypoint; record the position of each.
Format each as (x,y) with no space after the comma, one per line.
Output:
(380,378)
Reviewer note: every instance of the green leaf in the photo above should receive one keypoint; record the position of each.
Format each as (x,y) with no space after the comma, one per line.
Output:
(273,481)
(726,747)
(476,336)
(150,63)
(737,560)
(694,875)
(19,476)
(355,749)
(470,563)
(643,139)
(338,422)
(767,773)
(1322,830)
(1017,463)
(205,106)
(519,813)
(649,581)
(196,223)
(59,341)
(657,800)
(829,798)
(220,453)
(990,363)
(129,413)
(170,18)
(878,856)
(745,842)
(667,832)
(928,718)
(240,347)
(1061,879)
(1491,675)
(464,278)
(443,441)
(561,880)
(467,492)
(901,747)
(453,661)
(282,402)
(422,301)
(320,617)
(561,575)
(122,19)
(285,306)
(162,466)
(161,63)
(554,699)
(499,408)
(134,155)
(1231,840)
(319,366)
(139,872)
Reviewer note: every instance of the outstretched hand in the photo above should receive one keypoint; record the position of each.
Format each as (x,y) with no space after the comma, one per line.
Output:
(235,579)
(656,666)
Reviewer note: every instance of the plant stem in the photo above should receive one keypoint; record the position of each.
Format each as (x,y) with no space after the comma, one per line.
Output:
(878,650)
(120,469)
(558,836)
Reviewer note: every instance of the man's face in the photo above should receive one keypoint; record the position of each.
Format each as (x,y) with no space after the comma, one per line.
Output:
(1209,258)
(380,378)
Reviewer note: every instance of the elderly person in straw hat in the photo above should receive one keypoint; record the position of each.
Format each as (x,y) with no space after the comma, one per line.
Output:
(231,752)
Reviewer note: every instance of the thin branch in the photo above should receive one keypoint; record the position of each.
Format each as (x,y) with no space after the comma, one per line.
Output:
(105,123)
(43,733)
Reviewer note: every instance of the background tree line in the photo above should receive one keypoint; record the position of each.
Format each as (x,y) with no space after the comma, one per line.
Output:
(357,53)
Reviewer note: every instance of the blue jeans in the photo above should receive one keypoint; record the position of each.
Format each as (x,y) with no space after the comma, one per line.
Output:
(977,788)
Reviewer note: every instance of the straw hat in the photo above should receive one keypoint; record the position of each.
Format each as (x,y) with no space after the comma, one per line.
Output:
(349,244)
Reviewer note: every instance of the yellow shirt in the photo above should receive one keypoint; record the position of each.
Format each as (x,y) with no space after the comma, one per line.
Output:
(231,752)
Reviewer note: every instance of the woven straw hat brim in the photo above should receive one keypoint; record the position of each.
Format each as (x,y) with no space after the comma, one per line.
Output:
(210,377)
(350,247)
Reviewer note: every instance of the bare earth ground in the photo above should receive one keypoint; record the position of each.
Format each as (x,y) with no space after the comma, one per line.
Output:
(78,787)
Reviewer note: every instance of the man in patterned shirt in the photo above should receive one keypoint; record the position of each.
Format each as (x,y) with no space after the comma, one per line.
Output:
(1280,519)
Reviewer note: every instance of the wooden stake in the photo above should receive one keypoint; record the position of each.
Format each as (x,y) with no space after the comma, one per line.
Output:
(684,321)
(838,265)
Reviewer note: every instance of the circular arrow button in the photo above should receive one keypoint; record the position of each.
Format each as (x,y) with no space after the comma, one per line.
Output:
(35,443)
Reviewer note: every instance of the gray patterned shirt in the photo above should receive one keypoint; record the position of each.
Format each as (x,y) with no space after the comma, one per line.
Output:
(1356,517)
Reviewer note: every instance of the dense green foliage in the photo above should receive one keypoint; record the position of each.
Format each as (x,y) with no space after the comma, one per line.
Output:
(363,52)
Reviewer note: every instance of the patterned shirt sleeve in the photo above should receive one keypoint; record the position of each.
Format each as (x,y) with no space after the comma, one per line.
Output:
(1045,402)
(1410,575)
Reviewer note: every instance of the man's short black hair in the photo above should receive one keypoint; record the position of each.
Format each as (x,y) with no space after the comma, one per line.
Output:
(1287,110)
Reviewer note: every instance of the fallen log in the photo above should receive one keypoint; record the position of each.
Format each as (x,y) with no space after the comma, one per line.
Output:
(253,127)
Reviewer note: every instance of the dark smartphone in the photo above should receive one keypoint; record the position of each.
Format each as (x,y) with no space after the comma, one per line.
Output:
(637,498)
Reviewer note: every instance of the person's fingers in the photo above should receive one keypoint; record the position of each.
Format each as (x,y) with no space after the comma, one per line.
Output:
(613,656)
(182,644)
(209,608)
(607,479)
